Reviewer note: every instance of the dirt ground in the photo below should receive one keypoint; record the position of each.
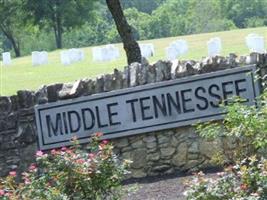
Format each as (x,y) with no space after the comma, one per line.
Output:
(169,187)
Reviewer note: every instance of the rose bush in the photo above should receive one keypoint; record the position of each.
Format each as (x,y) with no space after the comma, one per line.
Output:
(70,173)
(247,127)
(246,180)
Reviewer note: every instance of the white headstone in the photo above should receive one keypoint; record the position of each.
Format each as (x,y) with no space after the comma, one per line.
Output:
(147,50)
(43,57)
(255,43)
(35,58)
(39,58)
(6,58)
(64,57)
(106,53)
(73,56)
(70,56)
(97,55)
(81,54)
(171,53)
(181,47)
(214,46)
(176,48)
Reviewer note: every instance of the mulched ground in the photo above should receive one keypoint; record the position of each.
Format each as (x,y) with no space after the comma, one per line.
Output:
(169,187)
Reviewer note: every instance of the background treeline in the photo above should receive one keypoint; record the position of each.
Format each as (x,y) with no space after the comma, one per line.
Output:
(32,28)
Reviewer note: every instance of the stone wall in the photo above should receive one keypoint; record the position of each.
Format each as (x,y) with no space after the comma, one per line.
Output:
(161,152)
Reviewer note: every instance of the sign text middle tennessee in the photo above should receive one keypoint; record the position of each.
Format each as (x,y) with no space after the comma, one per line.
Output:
(145,108)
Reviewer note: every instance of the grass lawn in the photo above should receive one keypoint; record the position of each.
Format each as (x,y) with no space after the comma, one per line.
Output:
(22,75)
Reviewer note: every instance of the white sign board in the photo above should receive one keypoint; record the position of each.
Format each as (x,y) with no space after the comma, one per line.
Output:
(145,108)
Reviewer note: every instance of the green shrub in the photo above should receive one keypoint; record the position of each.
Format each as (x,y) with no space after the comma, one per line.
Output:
(245,125)
(247,180)
(69,173)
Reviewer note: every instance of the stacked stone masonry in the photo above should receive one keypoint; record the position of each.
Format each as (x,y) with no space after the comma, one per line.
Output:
(155,153)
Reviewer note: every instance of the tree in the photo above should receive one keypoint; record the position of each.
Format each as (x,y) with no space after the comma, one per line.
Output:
(142,5)
(130,46)
(60,15)
(242,12)
(11,22)
(140,23)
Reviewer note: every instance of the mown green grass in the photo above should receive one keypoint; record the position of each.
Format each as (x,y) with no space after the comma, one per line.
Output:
(22,75)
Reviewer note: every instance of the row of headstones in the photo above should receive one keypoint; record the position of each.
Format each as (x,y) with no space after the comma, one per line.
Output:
(254,42)
(67,57)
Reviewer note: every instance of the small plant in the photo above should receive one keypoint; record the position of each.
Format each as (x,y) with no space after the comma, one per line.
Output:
(245,125)
(70,173)
(246,180)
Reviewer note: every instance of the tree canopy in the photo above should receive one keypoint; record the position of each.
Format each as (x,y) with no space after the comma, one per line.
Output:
(59,15)
(28,25)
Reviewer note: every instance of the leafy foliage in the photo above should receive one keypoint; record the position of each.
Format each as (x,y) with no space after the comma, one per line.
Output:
(69,173)
(245,180)
(245,124)
(82,23)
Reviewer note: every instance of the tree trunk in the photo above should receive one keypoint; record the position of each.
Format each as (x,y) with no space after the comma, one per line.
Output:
(58,37)
(130,46)
(58,26)
(15,44)
(16,49)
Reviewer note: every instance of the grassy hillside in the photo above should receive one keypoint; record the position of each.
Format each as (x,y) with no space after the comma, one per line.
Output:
(22,75)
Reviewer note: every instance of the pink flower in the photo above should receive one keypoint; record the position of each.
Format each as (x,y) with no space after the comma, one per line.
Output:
(98,134)
(91,155)
(63,148)
(27,181)
(80,161)
(220,173)
(13,173)
(2,192)
(7,194)
(32,167)
(244,186)
(69,151)
(53,152)
(39,154)
(105,142)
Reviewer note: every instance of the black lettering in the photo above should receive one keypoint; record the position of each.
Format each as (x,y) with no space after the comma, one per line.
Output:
(65,123)
(55,128)
(185,100)
(110,114)
(173,103)
(143,108)
(99,119)
(133,108)
(240,90)
(87,127)
(203,99)
(226,92)
(71,118)
(161,106)
(216,96)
